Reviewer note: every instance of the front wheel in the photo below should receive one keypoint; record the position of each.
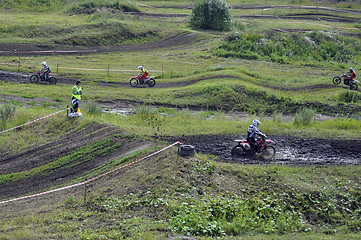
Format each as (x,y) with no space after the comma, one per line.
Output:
(133,82)
(151,82)
(269,152)
(34,78)
(238,151)
(353,86)
(52,80)
(336,80)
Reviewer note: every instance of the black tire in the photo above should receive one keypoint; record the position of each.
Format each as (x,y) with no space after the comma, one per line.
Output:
(336,80)
(238,151)
(187,150)
(151,82)
(34,78)
(353,86)
(52,80)
(269,152)
(133,82)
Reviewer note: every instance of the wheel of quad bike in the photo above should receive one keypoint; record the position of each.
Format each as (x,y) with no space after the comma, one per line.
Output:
(269,152)
(353,86)
(238,151)
(52,80)
(34,78)
(336,80)
(151,82)
(187,150)
(133,82)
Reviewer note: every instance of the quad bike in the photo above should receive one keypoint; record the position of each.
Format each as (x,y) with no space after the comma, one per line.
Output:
(244,148)
(134,81)
(35,77)
(350,82)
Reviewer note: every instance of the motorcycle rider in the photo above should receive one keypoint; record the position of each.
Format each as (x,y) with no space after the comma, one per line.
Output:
(142,74)
(76,97)
(46,70)
(350,75)
(251,134)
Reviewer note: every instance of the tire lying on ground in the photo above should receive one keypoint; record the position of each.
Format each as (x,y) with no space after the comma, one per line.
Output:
(187,150)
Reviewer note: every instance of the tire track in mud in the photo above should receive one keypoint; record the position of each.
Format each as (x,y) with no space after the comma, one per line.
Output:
(61,147)
(290,150)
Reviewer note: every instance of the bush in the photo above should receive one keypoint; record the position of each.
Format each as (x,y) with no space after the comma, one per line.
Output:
(6,112)
(92,108)
(211,15)
(304,116)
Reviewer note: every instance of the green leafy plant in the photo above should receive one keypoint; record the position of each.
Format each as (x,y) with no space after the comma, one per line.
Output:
(211,15)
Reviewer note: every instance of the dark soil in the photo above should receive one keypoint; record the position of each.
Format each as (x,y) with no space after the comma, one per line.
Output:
(290,150)
(62,147)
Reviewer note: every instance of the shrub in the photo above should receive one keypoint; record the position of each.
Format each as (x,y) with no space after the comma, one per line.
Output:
(6,112)
(304,116)
(211,15)
(93,108)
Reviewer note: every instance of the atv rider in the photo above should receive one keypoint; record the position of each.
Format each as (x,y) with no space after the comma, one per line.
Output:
(251,134)
(76,97)
(142,74)
(46,70)
(350,76)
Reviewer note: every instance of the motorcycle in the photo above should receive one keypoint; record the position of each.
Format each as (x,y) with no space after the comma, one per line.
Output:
(35,77)
(244,148)
(134,81)
(350,82)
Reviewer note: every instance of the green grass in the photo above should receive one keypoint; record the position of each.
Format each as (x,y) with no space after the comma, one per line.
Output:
(167,195)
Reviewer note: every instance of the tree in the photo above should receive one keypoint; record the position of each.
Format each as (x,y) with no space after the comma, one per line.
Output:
(211,15)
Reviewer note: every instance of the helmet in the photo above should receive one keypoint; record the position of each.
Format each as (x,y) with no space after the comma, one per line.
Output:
(256,123)
(43,63)
(140,67)
(351,69)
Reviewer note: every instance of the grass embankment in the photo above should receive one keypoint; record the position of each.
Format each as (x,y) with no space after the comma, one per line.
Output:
(201,197)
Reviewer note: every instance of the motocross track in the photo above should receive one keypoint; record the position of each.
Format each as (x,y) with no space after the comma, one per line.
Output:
(290,150)
(45,154)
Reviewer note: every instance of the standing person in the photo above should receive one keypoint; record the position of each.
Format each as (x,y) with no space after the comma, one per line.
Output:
(252,132)
(76,97)
(46,70)
(142,74)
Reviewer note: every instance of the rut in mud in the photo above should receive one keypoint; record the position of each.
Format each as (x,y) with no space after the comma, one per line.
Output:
(65,146)
(290,150)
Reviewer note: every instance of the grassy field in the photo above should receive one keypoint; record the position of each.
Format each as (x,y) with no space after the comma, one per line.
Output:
(199,90)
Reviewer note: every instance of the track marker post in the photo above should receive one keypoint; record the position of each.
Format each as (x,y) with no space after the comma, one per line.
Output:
(85,189)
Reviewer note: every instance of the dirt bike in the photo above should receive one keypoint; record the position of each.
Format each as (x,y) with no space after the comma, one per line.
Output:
(35,77)
(245,149)
(134,81)
(350,82)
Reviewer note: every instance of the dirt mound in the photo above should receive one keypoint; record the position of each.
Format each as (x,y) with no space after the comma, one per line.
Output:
(65,146)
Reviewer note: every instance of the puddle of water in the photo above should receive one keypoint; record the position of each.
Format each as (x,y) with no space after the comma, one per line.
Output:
(120,111)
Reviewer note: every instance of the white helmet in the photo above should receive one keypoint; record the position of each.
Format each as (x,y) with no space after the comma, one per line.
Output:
(43,63)
(140,67)
(256,123)
(351,69)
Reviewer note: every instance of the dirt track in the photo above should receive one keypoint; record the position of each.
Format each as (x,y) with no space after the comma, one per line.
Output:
(290,150)
(47,153)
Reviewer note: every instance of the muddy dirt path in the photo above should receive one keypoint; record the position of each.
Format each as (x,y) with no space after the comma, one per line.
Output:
(47,153)
(290,150)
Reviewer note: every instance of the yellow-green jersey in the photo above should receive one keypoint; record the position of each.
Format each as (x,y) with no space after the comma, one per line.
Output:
(77,92)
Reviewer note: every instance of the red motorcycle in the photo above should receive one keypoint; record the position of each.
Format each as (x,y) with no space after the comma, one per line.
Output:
(350,82)
(35,77)
(134,81)
(244,148)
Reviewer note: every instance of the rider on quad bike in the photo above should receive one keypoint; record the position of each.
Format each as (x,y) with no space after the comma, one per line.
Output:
(143,73)
(252,132)
(350,75)
(46,70)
